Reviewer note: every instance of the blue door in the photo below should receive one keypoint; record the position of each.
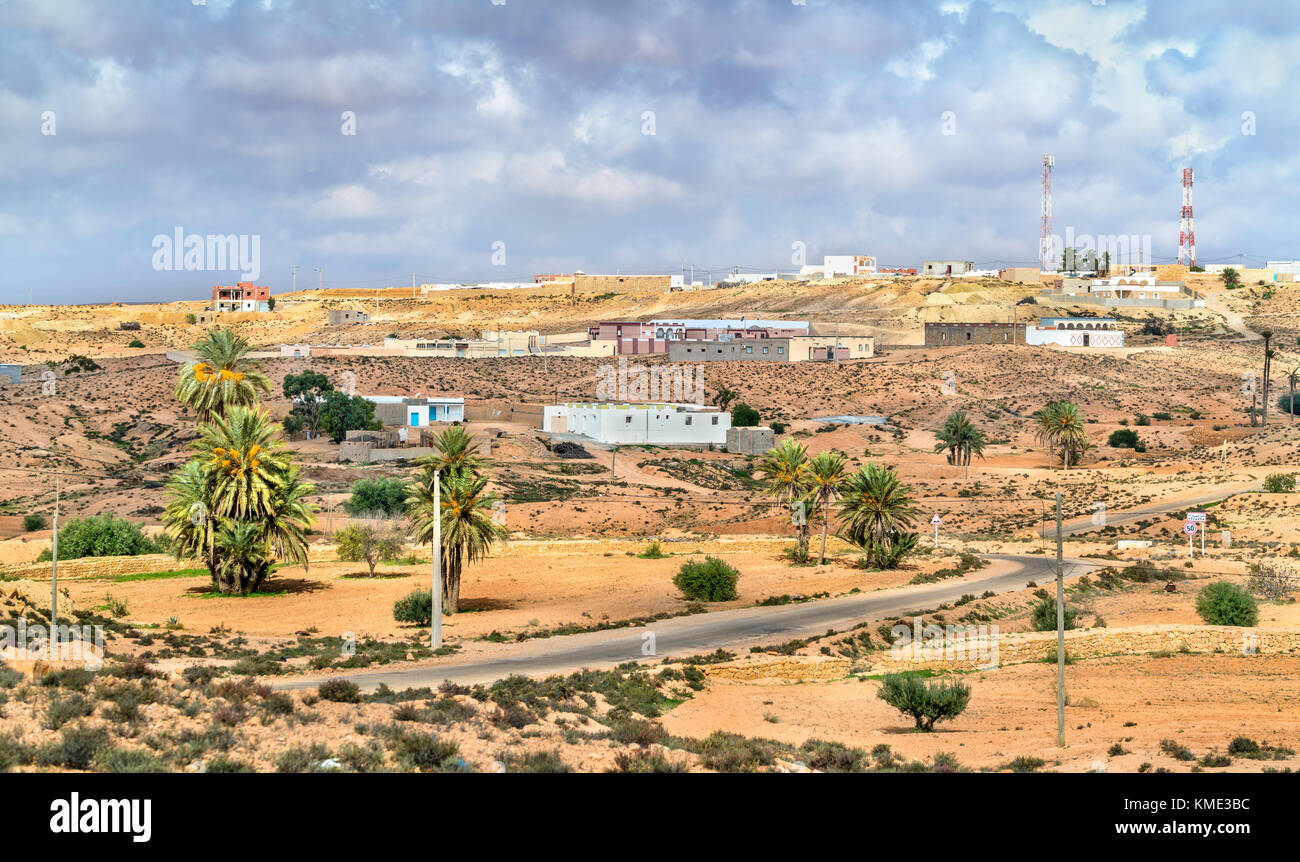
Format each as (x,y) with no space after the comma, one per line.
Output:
(415,418)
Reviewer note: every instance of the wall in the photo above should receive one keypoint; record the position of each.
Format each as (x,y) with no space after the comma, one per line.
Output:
(750,441)
(504,411)
(1021,274)
(956,334)
(620,424)
(1075,337)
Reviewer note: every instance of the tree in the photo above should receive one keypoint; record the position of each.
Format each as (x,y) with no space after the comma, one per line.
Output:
(1291,380)
(1279,483)
(1230,278)
(221,377)
(342,413)
(1223,603)
(1043,616)
(961,438)
(877,514)
(468,530)
(1060,423)
(1123,438)
(709,580)
(784,468)
(743,416)
(826,472)
(241,474)
(270,303)
(457,454)
(371,497)
(927,703)
(365,543)
(1269,353)
(307,391)
(724,396)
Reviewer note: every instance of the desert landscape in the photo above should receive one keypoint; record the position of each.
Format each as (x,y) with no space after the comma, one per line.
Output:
(545,665)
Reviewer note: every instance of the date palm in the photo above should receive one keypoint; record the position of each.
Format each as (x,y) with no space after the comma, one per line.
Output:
(784,468)
(1292,379)
(468,529)
(242,559)
(826,472)
(1269,353)
(877,513)
(221,377)
(457,454)
(186,516)
(961,438)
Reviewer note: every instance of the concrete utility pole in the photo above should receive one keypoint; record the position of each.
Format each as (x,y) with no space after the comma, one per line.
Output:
(320,278)
(54,557)
(435,617)
(1060,630)
(294,270)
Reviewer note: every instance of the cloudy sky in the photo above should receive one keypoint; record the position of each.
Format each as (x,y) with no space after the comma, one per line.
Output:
(604,135)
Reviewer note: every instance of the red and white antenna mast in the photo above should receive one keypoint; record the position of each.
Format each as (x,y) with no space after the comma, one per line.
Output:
(1186,232)
(1045,261)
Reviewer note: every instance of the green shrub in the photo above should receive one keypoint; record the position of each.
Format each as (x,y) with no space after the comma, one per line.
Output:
(535,761)
(31,523)
(103,535)
(1279,483)
(710,580)
(75,748)
(731,752)
(1122,438)
(191,318)
(222,764)
(425,752)
(60,712)
(340,691)
(1142,419)
(743,416)
(135,342)
(1044,616)
(127,760)
(374,496)
(1225,604)
(927,703)
(414,607)
(653,551)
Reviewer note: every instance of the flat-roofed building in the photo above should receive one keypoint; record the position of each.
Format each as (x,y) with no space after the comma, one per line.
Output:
(616,423)
(799,348)
(955,334)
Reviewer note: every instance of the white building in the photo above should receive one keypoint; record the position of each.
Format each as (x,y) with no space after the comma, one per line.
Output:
(1076,332)
(847,264)
(656,424)
(417,412)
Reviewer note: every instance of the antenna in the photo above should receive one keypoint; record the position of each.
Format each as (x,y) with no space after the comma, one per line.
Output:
(1186,233)
(1045,228)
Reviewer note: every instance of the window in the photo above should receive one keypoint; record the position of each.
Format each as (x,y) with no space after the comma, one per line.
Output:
(780,350)
(688,420)
(627,420)
(765,350)
(715,419)
(749,348)
(968,336)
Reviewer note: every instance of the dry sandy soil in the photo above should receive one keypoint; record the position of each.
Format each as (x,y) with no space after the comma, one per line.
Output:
(117,433)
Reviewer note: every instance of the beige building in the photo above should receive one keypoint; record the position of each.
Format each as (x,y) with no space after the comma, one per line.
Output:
(798,348)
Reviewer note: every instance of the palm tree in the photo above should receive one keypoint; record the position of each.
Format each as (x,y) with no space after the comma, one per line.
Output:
(468,531)
(877,513)
(1045,430)
(1292,379)
(826,475)
(243,561)
(1269,353)
(785,469)
(961,438)
(186,516)
(221,377)
(457,454)
(242,475)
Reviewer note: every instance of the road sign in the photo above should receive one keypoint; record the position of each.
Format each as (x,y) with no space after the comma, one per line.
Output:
(936,520)
(1189,528)
(1196,517)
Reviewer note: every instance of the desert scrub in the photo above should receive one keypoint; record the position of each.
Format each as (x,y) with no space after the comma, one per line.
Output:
(1226,604)
(339,691)
(1043,618)
(926,703)
(415,607)
(709,580)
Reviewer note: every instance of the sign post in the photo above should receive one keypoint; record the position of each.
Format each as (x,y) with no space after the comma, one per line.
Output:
(1190,529)
(1198,518)
(936,521)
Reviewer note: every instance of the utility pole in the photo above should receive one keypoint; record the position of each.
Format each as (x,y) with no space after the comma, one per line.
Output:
(320,278)
(294,269)
(54,556)
(1060,630)
(435,617)
(412,285)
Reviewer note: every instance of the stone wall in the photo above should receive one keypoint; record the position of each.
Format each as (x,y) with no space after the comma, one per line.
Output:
(779,667)
(102,567)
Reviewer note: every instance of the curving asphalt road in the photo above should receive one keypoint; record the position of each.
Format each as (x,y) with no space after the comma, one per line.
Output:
(703,633)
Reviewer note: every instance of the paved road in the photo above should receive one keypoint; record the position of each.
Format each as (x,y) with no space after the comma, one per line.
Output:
(1082,525)
(703,633)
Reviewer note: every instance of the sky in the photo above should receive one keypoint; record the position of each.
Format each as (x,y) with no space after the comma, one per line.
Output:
(490,140)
